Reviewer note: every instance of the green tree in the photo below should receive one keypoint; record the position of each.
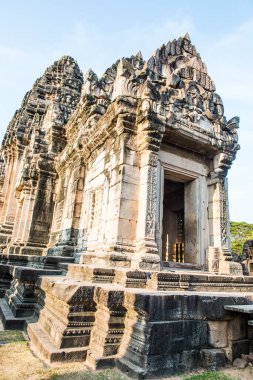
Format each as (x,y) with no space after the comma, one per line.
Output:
(240,232)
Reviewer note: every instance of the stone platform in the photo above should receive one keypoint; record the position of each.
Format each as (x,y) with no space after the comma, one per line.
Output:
(176,279)
(144,332)
(147,323)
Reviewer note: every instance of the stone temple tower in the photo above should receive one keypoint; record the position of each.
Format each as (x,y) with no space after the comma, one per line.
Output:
(132,172)
(117,183)
(34,138)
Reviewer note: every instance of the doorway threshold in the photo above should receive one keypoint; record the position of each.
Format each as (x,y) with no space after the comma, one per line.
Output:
(175,265)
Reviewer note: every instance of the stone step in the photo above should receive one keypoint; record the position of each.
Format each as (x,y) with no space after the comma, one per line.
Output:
(247,309)
(43,262)
(130,369)
(95,363)
(45,348)
(8,320)
(165,280)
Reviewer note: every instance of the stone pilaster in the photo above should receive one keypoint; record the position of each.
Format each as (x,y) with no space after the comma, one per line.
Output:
(219,256)
(146,256)
(22,220)
(2,182)
(68,210)
(9,162)
(109,327)
(10,203)
(122,207)
(34,215)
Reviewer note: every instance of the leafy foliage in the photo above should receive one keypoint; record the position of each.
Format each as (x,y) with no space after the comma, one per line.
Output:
(240,232)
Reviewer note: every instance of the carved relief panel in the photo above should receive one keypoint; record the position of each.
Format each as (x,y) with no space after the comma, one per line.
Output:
(94,211)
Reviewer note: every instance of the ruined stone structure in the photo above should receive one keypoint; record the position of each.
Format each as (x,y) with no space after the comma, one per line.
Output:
(118,187)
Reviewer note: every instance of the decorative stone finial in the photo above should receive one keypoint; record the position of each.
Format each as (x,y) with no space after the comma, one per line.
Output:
(187,37)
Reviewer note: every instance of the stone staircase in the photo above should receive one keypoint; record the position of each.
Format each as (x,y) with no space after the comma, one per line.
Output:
(63,329)
(20,286)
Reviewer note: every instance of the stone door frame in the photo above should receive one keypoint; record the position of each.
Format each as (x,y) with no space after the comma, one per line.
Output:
(197,176)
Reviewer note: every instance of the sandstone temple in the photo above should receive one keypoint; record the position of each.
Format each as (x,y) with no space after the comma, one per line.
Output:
(114,220)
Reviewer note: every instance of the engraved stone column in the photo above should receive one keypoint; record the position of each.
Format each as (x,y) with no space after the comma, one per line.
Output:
(218,212)
(6,188)
(146,256)
(219,230)
(2,180)
(10,204)
(69,211)
(26,215)
(21,220)
(40,216)
(5,185)
(17,221)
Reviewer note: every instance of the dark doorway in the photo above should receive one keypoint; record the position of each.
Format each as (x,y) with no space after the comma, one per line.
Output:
(173,237)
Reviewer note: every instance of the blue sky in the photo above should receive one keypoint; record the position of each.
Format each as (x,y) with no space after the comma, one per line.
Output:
(33,34)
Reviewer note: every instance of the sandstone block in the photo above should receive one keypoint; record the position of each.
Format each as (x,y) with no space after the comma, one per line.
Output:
(237,328)
(218,333)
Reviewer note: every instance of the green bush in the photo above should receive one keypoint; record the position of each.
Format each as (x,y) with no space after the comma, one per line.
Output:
(240,232)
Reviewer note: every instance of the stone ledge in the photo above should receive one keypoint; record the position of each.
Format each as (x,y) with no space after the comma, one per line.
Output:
(8,320)
(162,281)
(46,350)
(248,309)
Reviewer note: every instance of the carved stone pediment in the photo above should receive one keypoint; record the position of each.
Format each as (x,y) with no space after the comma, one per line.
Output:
(172,89)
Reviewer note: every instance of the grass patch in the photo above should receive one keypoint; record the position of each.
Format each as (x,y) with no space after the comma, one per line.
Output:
(17,362)
(109,374)
(9,336)
(210,376)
